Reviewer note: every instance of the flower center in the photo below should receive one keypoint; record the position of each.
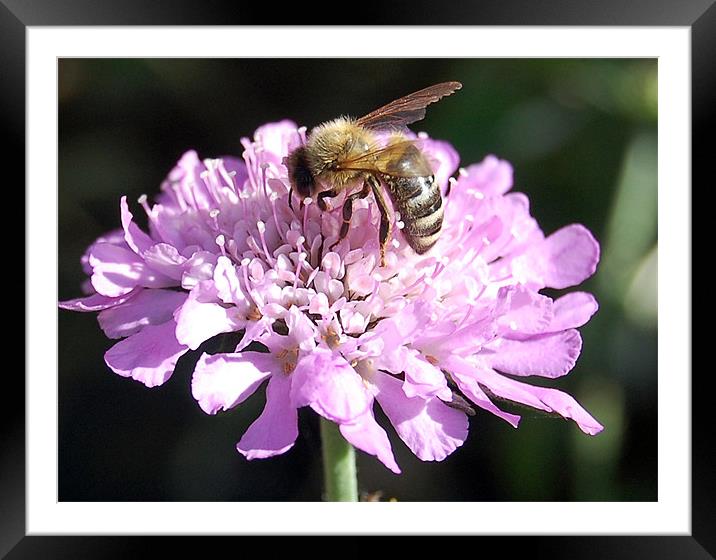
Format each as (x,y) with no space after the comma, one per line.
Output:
(254,314)
(432,359)
(332,339)
(288,358)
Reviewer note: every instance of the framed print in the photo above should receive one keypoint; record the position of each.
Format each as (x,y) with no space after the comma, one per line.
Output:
(149,146)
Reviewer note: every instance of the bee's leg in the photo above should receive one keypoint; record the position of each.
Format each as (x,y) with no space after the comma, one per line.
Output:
(348,211)
(325,194)
(385,216)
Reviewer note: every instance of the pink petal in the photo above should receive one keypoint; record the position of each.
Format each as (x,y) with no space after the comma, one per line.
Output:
(421,377)
(526,312)
(492,176)
(564,259)
(253,330)
(276,430)
(431,429)
(277,137)
(200,266)
(331,264)
(164,258)
(222,381)
(96,302)
(566,406)
(402,327)
(114,237)
(198,320)
(187,176)
(467,340)
(149,307)
(573,310)
(227,283)
(462,373)
(319,304)
(541,398)
(301,329)
(365,434)
(237,166)
(148,356)
(329,385)
(116,271)
(445,156)
(135,237)
(519,230)
(548,355)
(424,379)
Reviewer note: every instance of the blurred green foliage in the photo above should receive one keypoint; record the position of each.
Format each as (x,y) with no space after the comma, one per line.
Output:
(581,135)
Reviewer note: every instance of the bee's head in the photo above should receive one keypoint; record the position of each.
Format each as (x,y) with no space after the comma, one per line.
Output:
(299,172)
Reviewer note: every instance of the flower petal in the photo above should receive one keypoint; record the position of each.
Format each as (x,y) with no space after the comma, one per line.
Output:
(548,355)
(198,320)
(254,330)
(525,311)
(186,177)
(222,381)
(301,329)
(421,377)
(277,137)
(492,176)
(365,434)
(461,372)
(148,356)
(327,383)
(149,307)
(572,311)
(116,271)
(135,237)
(564,259)
(466,340)
(227,283)
(276,430)
(165,258)
(541,398)
(424,379)
(431,429)
(114,237)
(402,327)
(96,302)
(199,267)
(445,156)
(567,407)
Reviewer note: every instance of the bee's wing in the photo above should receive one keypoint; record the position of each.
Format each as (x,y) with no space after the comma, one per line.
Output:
(401,157)
(409,109)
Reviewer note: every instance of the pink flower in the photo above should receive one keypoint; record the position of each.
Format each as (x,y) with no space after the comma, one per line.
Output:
(336,331)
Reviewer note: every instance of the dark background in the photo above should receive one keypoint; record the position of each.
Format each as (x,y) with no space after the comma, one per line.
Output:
(581,135)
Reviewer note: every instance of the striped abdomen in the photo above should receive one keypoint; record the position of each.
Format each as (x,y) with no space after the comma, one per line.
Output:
(421,208)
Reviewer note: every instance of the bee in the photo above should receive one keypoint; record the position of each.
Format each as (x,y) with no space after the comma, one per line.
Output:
(347,152)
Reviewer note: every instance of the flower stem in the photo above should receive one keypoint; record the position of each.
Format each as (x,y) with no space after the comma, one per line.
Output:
(339,465)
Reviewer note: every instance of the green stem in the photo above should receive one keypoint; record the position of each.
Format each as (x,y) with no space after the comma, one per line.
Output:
(339,465)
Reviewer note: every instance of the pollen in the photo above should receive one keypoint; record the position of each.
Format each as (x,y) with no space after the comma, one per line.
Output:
(254,314)
(288,358)
(332,339)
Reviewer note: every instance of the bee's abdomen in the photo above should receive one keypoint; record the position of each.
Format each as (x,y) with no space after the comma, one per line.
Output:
(421,209)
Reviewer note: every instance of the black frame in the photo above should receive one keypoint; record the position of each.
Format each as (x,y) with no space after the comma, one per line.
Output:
(699,15)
